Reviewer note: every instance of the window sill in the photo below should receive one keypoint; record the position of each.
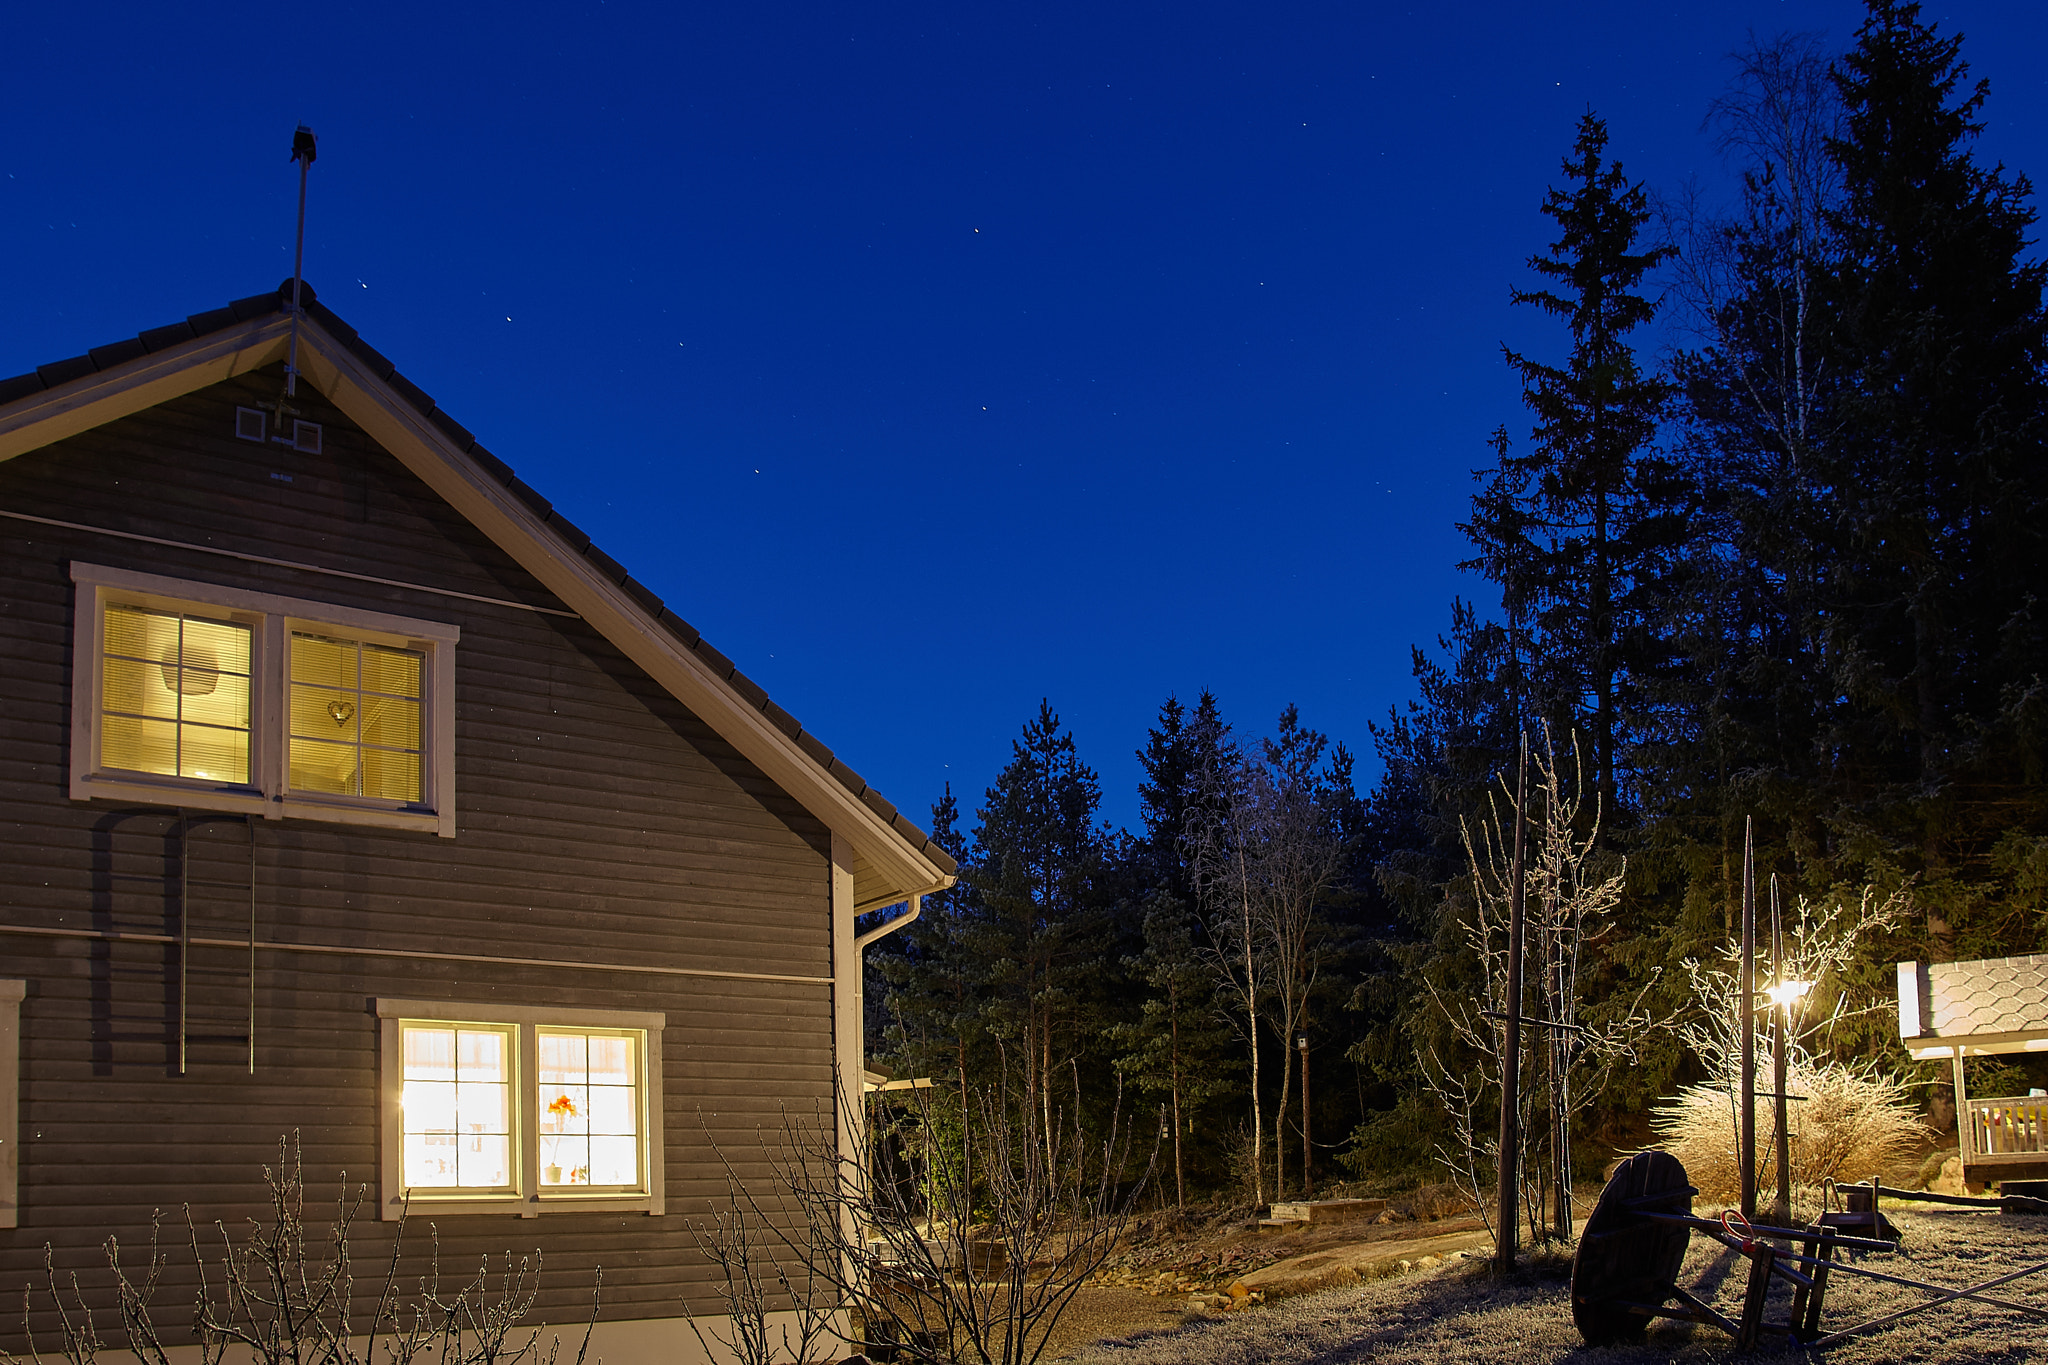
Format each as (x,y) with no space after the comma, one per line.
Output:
(194,795)
(522,1206)
(381,817)
(191,794)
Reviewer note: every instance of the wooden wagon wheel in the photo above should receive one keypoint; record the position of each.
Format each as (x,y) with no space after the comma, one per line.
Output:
(1628,1264)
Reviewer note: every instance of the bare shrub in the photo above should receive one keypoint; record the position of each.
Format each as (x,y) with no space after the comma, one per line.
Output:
(1856,1122)
(760,1273)
(1853,1125)
(287,1299)
(977,1256)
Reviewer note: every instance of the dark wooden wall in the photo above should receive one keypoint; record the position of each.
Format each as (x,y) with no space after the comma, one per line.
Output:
(598,820)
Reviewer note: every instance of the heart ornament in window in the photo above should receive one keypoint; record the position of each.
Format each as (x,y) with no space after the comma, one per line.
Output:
(342,711)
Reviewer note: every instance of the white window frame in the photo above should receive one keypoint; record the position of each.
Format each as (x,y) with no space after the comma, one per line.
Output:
(527,1199)
(11,993)
(271,620)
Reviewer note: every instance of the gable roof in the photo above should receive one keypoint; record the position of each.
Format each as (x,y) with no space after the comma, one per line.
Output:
(893,857)
(1997,1004)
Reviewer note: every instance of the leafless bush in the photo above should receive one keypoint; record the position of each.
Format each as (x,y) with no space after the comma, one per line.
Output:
(759,1271)
(1852,1126)
(975,1256)
(1854,1120)
(287,1300)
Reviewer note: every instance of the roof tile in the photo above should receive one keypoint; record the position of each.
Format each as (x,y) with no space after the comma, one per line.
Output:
(680,628)
(815,747)
(119,353)
(160,338)
(21,386)
(256,306)
(642,594)
(64,371)
(332,323)
(848,778)
(211,321)
(452,429)
(1992,995)
(719,664)
(755,694)
(410,392)
(568,530)
(877,803)
(373,359)
(945,861)
(610,567)
(782,720)
(525,494)
(493,466)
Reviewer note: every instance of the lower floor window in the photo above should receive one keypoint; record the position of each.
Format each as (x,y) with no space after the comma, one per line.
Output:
(457,1105)
(492,1108)
(590,1109)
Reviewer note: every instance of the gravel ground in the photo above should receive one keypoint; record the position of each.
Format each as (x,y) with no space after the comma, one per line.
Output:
(1462,1313)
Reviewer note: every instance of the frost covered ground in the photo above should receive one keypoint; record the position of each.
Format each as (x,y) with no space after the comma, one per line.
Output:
(1461,1313)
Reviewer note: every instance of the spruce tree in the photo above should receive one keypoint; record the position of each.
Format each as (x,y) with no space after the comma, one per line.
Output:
(1035,922)
(1570,526)
(1177,1048)
(1941,483)
(931,985)
(1745,607)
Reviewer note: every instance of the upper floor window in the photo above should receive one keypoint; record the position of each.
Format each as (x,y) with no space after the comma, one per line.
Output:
(355,709)
(215,698)
(174,693)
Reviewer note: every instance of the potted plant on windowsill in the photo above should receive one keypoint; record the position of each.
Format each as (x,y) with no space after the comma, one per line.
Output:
(560,1109)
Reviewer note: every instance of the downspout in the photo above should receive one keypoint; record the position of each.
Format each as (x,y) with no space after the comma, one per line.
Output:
(860,973)
(883,931)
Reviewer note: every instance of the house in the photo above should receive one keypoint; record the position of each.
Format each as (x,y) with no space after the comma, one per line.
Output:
(1991,1007)
(350,791)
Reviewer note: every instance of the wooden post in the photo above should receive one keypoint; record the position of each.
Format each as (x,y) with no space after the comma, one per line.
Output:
(1963,1133)
(1301,1045)
(1780,1039)
(1511,1033)
(1746,1113)
(1560,1072)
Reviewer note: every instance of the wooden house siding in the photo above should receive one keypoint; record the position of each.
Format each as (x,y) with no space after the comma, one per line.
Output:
(598,822)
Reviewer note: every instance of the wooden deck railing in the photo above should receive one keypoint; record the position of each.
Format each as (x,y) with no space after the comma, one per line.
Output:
(2005,1127)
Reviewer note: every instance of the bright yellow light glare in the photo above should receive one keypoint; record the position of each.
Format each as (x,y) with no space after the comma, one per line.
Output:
(1788,992)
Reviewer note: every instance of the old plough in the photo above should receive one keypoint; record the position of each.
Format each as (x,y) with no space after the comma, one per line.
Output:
(1632,1249)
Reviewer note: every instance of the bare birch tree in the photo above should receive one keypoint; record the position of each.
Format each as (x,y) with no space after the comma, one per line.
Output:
(1268,854)
(1570,893)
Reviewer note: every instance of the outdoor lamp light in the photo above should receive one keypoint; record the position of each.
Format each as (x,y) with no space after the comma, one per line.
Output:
(1789,993)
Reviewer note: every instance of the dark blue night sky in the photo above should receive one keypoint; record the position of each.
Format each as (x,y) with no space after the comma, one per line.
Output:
(931,359)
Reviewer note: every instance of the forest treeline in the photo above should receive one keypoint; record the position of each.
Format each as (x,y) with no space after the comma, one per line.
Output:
(1784,569)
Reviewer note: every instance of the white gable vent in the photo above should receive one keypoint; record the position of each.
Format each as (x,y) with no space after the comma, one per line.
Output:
(306,437)
(250,423)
